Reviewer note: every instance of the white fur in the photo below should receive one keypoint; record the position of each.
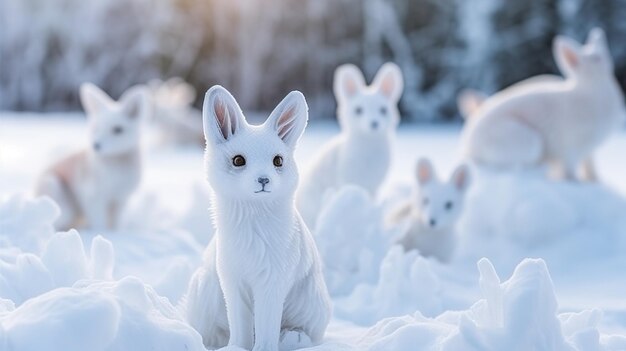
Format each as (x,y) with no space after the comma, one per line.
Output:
(548,119)
(263,257)
(92,186)
(361,154)
(433,212)
(176,120)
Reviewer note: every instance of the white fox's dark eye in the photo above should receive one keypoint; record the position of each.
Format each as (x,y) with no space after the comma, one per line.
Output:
(117,130)
(278,161)
(358,110)
(239,161)
(383,111)
(448,205)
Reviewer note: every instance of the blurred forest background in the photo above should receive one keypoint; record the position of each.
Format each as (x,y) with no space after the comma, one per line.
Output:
(261,49)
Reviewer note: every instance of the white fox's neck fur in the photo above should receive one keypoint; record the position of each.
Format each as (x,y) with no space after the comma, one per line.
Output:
(235,215)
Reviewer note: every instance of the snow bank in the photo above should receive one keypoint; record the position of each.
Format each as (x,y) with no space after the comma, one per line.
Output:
(517,315)
(123,315)
(26,223)
(512,216)
(352,240)
(63,263)
(406,284)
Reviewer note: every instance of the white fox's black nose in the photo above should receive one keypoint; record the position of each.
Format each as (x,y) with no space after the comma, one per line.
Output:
(263,180)
(433,222)
(374,125)
(96,146)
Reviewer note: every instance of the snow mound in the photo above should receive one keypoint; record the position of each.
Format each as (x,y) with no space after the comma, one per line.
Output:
(406,284)
(63,263)
(512,216)
(98,316)
(517,315)
(352,239)
(26,223)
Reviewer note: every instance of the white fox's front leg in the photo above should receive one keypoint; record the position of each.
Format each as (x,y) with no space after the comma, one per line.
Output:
(268,313)
(240,319)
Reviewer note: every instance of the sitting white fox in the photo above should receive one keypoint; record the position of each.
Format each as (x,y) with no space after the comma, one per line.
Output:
(548,119)
(262,280)
(433,212)
(361,154)
(92,186)
(177,121)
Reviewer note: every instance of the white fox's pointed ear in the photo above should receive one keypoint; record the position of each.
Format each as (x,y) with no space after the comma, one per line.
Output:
(425,171)
(566,54)
(598,38)
(221,115)
(135,101)
(348,81)
(389,81)
(93,99)
(289,118)
(461,178)
(469,101)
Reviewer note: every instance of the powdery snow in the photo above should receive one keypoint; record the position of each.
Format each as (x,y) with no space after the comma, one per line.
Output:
(385,299)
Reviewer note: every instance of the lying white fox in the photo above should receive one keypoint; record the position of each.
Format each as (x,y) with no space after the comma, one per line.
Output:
(262,280)
(433,212)
(361,154)
(547,118)
(91,187)
(177,121)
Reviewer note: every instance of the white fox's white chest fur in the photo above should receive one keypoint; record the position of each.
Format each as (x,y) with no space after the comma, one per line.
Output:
(261,283)
(439,243)
(550,119)
(362,161)
(361,154)
(91,187)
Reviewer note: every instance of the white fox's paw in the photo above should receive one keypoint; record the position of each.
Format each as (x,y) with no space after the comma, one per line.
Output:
(293,340)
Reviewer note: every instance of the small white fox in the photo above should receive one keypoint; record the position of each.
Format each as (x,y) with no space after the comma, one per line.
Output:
(92,186)
(176,120)
(361,154)
(547,118)
(432,212)
(262,280)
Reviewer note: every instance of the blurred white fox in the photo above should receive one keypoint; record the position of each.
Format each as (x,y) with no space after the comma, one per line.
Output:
(261,282)
(549,119)
(432,212)
(92,186)
(176,120)
(361,154)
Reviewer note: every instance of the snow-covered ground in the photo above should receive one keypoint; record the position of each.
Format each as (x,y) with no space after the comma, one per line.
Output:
(52,285)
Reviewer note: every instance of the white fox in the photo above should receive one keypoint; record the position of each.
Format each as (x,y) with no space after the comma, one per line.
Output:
(92,186)
(432,212)
(361,154)
(177,121)
(547,118)
(262,280)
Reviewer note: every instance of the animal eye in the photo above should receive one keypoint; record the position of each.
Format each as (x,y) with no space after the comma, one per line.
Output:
(425,201)
(383,111)
(239,161)
(358,110)
(448,205)
(117,130)
(278,161)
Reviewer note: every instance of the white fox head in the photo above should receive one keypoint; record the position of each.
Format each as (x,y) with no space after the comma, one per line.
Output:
(587,61)
(114,126)
(440,203)
(366,109)
(252,162)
